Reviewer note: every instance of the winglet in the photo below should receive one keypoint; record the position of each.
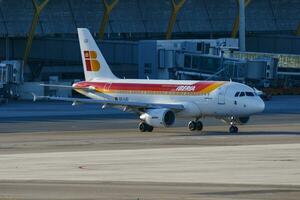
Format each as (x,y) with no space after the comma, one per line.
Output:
(34,97)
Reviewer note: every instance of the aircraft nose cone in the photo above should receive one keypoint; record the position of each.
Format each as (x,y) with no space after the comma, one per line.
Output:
(260,105)
(257,105)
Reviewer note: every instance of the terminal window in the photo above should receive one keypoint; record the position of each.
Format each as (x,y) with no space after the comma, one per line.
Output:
(148,68)
(187,61)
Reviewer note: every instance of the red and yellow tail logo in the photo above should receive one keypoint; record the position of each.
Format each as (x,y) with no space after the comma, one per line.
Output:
(91,61)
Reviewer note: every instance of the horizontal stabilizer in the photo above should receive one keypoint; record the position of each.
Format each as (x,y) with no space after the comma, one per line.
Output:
(58,86)
(90,88)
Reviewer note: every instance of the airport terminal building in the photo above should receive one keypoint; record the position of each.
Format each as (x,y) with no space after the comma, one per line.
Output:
(150,39)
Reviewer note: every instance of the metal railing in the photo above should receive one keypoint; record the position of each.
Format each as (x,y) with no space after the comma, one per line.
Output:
(284,60)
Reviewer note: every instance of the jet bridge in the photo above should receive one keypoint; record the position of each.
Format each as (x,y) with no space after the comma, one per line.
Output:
(11,76)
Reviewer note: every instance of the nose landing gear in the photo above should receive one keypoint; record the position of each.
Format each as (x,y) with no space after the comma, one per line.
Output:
(233,128)
(195,125)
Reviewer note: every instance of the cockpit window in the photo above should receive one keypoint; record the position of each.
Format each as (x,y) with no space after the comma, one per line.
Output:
(250,94)
(242,94)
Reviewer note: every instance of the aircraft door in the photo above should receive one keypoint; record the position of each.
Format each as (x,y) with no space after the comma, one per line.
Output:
(221,95)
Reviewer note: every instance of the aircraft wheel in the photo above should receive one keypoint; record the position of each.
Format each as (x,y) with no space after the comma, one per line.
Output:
(192,125)
(199,126)
(143,126)
(233,129)
(149,128)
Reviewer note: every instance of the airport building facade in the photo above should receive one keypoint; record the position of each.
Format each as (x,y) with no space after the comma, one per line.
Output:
(132,40)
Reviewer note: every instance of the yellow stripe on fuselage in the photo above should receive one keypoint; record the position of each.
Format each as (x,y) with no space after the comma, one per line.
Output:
(211,87)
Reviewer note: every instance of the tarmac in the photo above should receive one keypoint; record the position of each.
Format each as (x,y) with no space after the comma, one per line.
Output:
(51,150)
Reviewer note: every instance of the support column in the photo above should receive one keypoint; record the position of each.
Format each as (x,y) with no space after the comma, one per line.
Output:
(175,9)
(298,29)
(107,10)
(7,48)
(37,11)
(242,27)
(235,28)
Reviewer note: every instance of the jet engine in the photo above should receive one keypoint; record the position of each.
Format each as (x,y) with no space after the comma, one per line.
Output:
(159,117)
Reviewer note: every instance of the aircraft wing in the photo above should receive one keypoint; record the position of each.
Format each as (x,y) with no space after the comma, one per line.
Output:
(131,104)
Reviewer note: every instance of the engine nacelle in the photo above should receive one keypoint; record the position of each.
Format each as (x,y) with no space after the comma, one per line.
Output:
(159,117)
(242,120)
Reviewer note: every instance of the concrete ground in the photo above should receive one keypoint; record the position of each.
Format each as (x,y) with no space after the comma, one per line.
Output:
(55,151)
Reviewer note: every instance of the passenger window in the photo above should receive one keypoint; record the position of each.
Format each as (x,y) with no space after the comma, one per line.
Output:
(237,94)
(242,94)
(249,94)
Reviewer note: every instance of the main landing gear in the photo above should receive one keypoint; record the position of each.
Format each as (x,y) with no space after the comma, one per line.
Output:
(144,127)
(195,125)
(198,126)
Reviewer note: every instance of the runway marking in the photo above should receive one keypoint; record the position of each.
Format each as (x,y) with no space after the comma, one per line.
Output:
(247,164)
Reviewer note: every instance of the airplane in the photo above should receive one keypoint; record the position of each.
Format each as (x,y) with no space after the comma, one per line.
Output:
(160,102)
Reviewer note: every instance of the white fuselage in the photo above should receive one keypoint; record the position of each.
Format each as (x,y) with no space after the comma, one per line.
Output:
(219,102)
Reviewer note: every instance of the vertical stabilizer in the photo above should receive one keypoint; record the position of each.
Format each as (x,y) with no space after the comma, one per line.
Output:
(94,64)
